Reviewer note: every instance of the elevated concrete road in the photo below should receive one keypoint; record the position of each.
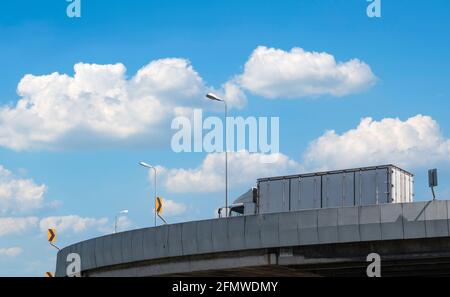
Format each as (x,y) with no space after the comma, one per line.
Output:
(411,238)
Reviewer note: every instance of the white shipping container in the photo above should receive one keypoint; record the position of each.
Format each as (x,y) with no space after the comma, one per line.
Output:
(351,187)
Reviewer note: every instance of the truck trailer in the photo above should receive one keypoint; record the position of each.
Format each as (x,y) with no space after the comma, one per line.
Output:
(339,188)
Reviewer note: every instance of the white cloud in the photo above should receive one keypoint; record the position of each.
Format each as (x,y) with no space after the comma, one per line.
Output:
(243,169)
(19,195)
(14,226)
(99,105)
(274,73)
(172,208)
(233,94)
(418,141)
(123,222)
(11,252)
(23,195)
(72,223)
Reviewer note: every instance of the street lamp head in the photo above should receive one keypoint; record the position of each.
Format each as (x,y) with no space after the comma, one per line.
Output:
(145,165)
(214,97)
(124,211)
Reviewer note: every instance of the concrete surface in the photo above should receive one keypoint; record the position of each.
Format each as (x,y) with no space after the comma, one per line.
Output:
(269,240)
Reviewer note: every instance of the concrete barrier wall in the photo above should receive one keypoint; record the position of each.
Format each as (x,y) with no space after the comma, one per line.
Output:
(308,227)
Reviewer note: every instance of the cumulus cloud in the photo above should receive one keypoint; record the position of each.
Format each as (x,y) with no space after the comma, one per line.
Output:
(243,169)
(19,195)
(100,105)
(172,208)
(72,223)
(11,252)
(123,222)
(14,226)
(418,141)
(233,94)
(275,73)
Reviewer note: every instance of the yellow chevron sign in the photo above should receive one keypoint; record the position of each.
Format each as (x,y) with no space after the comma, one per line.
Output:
(159,205)
(51,235)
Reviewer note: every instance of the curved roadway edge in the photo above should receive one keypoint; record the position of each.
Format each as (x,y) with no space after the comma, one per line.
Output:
(239,236)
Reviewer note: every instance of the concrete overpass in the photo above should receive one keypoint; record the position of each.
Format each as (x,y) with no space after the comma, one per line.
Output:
(412,239)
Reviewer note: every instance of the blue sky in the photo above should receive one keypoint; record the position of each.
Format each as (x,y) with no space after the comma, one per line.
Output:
(407,50)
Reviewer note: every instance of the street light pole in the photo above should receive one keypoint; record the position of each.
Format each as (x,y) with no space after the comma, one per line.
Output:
(213,97)
(155,172)
(226,161)
(117,216)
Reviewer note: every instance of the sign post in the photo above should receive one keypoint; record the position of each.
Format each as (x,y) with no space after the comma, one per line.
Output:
(433,180)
